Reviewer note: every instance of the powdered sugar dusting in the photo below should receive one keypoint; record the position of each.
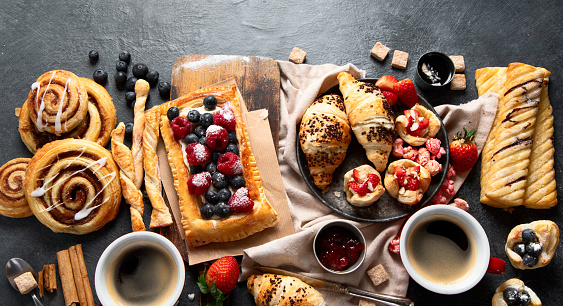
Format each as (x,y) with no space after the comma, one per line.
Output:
(201,179)
(227,113)
(214,129)
(237,167)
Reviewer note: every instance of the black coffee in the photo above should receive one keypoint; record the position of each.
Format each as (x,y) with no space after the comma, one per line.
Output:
(142,274)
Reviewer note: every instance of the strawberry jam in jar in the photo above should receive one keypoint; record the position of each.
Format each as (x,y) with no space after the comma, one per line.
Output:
(339,248)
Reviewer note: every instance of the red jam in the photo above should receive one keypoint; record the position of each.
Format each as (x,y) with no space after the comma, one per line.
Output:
(338,248)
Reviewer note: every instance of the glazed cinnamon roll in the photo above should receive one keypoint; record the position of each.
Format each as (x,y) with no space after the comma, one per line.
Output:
(12,199)
(73,186)
(58,102)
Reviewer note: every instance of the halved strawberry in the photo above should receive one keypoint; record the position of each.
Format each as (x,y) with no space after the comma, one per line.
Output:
(373,179)
(411,113)
(412,183)
(406,92)
(360,189)
(415,128)
(400,173)
(390,97)
(360,176)
(386,82)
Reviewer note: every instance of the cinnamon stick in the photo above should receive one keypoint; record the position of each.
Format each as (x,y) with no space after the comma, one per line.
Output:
(50,277)
(84,274)
(67,278)
(40,282)
(75,266)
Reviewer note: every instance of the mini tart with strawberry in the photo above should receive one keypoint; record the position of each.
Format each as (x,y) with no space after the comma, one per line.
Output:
(417,125)
(407,181)
(363,186)
(215,162)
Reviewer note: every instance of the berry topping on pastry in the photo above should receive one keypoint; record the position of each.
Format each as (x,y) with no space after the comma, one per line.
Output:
(417,125)
(237,181)
(240,202)
(407,181)
(197,154)
(229,164)
(180,127)
(225,118)
(220,180)
(217,137)
(172,113)
(532,245)
(210,102)
(199,183)
(363,185)
(194,116)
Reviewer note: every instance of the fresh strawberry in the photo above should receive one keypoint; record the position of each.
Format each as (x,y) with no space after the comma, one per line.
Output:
(390,97)
(406,92)
(240,201)
(386,82)
(360,189)
(373,179)
(220,279)
(360,176)
(463,151)
(411,114)
(400,173)
(412,183)
(416,127)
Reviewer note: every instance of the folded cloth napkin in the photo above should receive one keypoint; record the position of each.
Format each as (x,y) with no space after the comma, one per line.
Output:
(300,85)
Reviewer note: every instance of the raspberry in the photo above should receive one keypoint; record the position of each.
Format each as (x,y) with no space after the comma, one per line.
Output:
(229,164)
(199,183)
(225,118)
(217,137)
(197,154)
(240,202)
(181,127)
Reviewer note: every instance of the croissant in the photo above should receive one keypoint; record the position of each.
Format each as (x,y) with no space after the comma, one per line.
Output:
(371,118)
(272,289)
(324,136)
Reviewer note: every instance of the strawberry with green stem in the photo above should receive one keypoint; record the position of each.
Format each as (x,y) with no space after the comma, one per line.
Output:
(219,280)
(463,151)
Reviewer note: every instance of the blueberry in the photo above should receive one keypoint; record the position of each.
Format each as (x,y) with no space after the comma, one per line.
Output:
(125,56)
(100,76)
(215,156)
(529,260)
(140,70)
(233,137)
(233,148)
(196,169)
(520,249)
(211,196)
(120,78)
(93,56)
(533,249)
(203,141)
(211,167)
(210,102)
(222,209)
(121,66)
(164,90)
(129,128)
(220,180)
(224,194)
(130,83)
(207,210)
(191,138)
(528,235)
(130,97)
(206,119)
(200,130)
(193,116)
(152,77)
(510,296)
(524,298)
(237,181)
(172,112)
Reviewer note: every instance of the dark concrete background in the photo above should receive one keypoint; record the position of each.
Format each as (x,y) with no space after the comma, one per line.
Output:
(38,36)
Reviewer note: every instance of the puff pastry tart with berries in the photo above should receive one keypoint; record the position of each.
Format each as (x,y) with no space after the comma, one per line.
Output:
(407,181)
(220,192)
(363,186)
(417,125)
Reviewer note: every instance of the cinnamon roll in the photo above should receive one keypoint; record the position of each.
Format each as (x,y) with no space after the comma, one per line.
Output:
(73,186)
(12,199)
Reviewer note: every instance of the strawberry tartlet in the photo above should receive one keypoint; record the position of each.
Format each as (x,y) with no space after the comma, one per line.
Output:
(363,186)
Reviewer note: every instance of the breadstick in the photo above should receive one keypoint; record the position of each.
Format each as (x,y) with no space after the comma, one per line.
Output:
(141,90)
(160,214)
(124,159)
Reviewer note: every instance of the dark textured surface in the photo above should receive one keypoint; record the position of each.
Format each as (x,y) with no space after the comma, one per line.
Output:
(38,36)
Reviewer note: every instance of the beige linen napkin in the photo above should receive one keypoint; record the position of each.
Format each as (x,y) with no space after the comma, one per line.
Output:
(300,85)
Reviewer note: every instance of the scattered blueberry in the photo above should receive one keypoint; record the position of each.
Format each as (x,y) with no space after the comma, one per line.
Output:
(140,70)
(200,130)
(121,66)
(203,141)
(219,180)
(211,196)
(130,97)
(533,249)
(152,77)
(510,296)
(231,147)
(129,128)
(120,78)
(191,138)
(93,56)
(520,249)
(130,83)
(193,116)
(196,169)
(237,181)
(210,102)
(524,298)
(529,260)
(164,90)
(222,210)
(207,210)
(211,167)
(233,137)
(125,56)
(215,156)
(172,112)
(528,235)
(100,76)
(206,120)
(224,194)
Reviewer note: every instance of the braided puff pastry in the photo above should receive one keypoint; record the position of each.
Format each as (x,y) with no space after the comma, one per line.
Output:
(408,126)
(547,233)
(324,136)
(371,118)
(72,186)
(271,289)
(400,186)
(518,285)
(12,198)
(199,230)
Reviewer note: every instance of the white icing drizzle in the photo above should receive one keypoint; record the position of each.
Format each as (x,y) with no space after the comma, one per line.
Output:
(52,207)
(39,123)
(60,110)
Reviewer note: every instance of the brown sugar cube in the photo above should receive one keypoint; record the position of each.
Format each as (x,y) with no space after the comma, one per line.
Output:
(400,59)
(378,275)
(459,63)
(366,303)
(379,51)
(297,56)
(458,82)
(25,282)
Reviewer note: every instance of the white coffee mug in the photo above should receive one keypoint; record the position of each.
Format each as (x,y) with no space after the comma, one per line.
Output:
(475,233)
(129,240)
